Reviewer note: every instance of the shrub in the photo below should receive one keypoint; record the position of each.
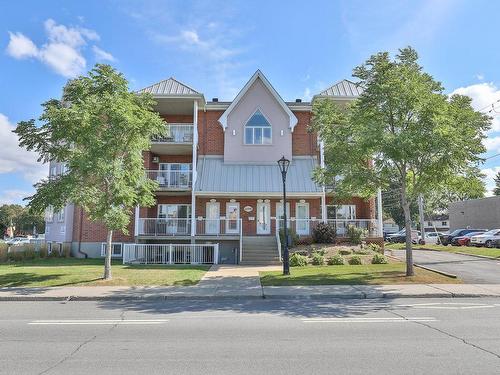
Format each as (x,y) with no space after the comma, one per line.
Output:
(42,253)
(355,234)
(294,237)
(54,254)
(361,251)
(355,260)
(3,251)
(297,260)
(345,252)
(335,260)
(323,233)
(318,259)
(374,247)
(379,259)
(320,251)
(29,253)
(15,256)
(304,241)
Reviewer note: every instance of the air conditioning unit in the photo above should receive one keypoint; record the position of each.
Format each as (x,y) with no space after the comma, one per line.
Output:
(156,159)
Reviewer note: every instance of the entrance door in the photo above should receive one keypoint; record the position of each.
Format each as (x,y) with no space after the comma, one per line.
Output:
(302,218)
(263,218)
(213,218)
(232,217)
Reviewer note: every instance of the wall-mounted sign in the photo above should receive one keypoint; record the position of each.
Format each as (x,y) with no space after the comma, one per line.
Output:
(251,218)
(248,208)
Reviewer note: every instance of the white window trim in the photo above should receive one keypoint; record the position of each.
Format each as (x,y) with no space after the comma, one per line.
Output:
(103,249)
(245,127)
(339,205)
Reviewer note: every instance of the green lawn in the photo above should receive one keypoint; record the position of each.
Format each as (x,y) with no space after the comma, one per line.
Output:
(392,273)
(88,272)
(495,253)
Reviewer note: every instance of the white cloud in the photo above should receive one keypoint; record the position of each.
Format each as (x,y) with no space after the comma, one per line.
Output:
(479,76)
(16,159)
(63,50)
(14,196)
(492,144)
(100,54)
(307,94)
(490,173)
(483,95)
(21,47)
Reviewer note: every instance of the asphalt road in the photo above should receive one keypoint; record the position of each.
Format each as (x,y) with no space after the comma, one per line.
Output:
(471,270)
(393,336)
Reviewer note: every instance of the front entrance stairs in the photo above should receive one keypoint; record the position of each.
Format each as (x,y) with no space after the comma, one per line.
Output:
(259,251)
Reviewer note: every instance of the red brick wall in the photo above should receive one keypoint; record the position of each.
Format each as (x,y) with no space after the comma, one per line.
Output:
(97,232)
(210,133)
(303,142)
(365,209)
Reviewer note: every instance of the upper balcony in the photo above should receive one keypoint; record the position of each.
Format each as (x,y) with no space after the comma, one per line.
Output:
(178,140)
(172,180)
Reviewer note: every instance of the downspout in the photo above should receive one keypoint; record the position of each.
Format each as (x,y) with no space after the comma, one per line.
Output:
(80,235)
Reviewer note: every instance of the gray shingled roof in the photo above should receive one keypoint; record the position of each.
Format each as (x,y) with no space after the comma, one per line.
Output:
(343,88)
(216,176)
(169,87)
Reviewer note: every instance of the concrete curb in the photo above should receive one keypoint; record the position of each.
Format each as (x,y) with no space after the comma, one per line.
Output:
(436,271)
(479,256)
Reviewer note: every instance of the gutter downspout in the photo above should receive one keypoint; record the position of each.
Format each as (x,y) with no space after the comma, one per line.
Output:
(80,235)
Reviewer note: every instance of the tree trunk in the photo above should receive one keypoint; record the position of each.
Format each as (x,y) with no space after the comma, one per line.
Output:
(107,260)
(409,251)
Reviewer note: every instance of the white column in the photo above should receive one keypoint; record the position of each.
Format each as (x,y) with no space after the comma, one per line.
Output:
(136,221)
(380,218)
(322,165)
(195,159)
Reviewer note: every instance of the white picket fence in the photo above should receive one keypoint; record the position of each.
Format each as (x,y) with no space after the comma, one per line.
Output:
(170,253)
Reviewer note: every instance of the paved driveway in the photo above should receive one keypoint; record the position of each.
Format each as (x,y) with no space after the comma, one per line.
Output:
(469,269)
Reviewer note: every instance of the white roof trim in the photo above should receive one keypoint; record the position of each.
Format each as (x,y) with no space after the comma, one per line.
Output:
(258,74)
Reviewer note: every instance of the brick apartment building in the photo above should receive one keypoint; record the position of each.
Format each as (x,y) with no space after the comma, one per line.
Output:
(218,177)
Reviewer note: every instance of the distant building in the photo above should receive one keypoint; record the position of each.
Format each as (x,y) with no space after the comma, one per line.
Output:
(481,213)
(441,223)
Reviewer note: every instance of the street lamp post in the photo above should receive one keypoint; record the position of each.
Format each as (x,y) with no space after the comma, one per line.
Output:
(284,163)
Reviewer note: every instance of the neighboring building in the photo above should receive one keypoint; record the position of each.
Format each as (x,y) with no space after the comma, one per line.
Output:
(440,223)
(481,213)
(218,177)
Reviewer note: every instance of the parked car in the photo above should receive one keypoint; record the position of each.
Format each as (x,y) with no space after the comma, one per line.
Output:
(17,241)
(432,237)
(446,239)
(465,239)
(487,239)
(399,238)
(389,236)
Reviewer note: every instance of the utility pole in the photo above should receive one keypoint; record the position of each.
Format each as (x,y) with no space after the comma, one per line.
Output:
(421,214)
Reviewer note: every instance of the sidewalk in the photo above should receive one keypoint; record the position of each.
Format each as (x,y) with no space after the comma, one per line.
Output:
(208,289)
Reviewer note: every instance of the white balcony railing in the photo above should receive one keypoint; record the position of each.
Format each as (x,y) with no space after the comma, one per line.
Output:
(182,227)
(171,253)
(305,227)
(177,133)
(171,180)
(164,227)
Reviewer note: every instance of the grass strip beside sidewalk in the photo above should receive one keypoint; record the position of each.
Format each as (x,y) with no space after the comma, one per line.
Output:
(88,272)
(375,274)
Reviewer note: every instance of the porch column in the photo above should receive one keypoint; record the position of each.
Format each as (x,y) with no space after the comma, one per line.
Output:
(322,165)
(194,173)
(379,213)
(136,221)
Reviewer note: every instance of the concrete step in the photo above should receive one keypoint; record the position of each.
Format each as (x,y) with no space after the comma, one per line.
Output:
(275,263)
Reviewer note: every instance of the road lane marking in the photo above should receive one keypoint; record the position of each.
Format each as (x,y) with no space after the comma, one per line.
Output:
(449,306)
(370,320)
(98,322)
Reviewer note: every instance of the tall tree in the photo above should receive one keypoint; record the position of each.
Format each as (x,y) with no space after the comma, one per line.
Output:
(99,129)
(402,130)
(496,190)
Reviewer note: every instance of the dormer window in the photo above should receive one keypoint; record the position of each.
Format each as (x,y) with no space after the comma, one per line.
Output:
(258,130)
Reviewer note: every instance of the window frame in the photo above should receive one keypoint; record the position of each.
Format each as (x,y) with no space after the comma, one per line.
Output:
(253,128)
(113,244)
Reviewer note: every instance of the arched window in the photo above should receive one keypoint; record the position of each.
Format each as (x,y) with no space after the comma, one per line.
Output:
(258,130)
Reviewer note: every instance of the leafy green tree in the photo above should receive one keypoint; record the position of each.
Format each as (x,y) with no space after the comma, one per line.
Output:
(99,129)
(496,190)
(8,214)
(402,130)
(23,220)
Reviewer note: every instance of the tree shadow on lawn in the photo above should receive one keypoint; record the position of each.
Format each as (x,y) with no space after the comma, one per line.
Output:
(25,280)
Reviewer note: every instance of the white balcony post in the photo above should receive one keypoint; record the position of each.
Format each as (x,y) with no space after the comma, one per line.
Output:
(216,253)
(170,260)
(136,221)
(194,172)
(379,213)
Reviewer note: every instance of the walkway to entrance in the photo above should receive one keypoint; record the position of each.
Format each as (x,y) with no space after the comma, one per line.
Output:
(234,280)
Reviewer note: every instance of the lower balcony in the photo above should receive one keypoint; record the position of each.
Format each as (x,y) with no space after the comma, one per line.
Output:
(171,180)
(174,227)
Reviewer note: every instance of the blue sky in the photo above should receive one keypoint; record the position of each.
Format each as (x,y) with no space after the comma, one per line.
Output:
(215,46)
